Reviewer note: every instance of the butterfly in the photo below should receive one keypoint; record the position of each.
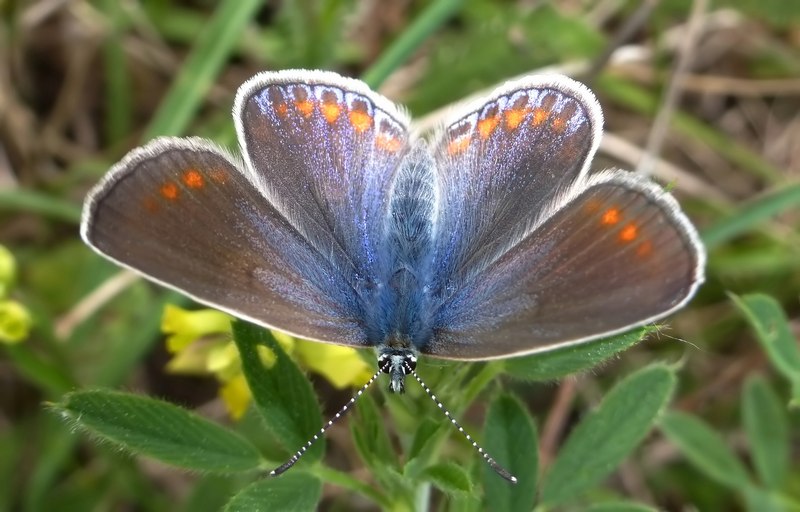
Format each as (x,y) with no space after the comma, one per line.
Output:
(339,223)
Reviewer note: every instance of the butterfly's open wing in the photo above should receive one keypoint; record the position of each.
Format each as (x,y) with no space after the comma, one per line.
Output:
(324,150)
(512,280)
(502,163)
(180,212)
(281,240)
(617,253)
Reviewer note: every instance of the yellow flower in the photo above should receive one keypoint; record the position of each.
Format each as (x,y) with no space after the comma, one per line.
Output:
(8,271)
(185,327)
(341,366)
(15,319)
(15,322)
(201,344)
(236,396)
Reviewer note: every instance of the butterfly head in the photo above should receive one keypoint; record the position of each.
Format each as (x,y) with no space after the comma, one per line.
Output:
(397,362)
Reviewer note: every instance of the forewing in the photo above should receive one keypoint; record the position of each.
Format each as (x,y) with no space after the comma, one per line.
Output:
(182,213)
(502,164)
(616,253)
(325,150)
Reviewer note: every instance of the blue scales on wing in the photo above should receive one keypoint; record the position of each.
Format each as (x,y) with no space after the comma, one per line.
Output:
(325,151)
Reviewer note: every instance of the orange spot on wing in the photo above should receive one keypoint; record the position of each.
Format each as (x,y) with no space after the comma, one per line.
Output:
(558,124)
(610,216)
(593,205)
(644,249)
(457,146)
(360,120)
(487,126)
(218,176)
(515,117)
(281,109)
(539,116)
(169,191)
(305,107)
(193,179)
(629,233)
(151,205)
(388,143)
(331,112)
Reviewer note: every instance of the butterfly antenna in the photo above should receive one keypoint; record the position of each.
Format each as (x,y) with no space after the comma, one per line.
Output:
(500,470)
(342,412)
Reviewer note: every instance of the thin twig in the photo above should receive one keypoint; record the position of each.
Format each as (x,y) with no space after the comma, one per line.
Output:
(674,89)
(94,301)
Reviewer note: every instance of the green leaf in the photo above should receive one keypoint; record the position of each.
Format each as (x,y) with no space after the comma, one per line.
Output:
(426,431)
(767,426)
(465,502)
(293,491)
(567,360)
(604,438)
(118,83)
(284,395)
(372,438)
(620,506)
(424,447)
(160,430)
(510,438)
(705,449)
(448,477)
(768,320)
(209,494)
(760,500)
(354,485)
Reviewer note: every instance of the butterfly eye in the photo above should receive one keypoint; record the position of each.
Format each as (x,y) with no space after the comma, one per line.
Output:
(410,363)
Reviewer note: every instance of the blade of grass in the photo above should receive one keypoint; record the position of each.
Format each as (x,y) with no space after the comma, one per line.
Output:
(751,214)
(118,104)
(42,204)
(401,49)
(213,47)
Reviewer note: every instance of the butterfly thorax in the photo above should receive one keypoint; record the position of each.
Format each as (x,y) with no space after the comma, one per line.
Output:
(396,304)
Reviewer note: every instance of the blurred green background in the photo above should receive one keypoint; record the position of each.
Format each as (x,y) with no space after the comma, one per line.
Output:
(704,95)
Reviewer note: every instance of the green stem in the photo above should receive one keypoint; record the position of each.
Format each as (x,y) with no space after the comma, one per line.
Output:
(344,480)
